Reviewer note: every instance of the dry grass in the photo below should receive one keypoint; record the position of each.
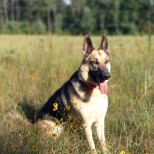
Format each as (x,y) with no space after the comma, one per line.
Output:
(33,67)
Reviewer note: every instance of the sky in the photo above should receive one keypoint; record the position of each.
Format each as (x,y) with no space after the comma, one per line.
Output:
(67,1)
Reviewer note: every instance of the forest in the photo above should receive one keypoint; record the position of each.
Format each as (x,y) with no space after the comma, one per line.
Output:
(77,17)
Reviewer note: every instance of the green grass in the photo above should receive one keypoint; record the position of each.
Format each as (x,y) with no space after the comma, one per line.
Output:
(33,67)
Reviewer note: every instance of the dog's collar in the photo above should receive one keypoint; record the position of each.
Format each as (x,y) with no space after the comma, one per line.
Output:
(90,86)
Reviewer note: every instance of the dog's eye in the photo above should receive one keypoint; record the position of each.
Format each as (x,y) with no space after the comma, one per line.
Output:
(106,61)
(94,62)
(94,65)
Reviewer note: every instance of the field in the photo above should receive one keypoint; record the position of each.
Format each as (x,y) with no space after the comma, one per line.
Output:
(33,67)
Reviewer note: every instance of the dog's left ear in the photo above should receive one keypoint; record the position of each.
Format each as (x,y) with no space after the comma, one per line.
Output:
(104,44)
(87,46)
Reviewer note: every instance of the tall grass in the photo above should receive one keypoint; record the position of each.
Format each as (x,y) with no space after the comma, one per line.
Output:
(33,67)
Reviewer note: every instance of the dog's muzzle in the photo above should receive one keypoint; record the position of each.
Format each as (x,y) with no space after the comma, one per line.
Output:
(100,75)
(105,74)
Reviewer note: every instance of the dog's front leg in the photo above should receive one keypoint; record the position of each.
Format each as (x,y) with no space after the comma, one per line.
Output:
(88,133)
(101,134)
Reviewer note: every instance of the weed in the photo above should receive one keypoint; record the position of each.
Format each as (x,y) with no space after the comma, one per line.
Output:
(33,67)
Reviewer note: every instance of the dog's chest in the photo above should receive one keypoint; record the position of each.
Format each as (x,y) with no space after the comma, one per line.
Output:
(95,109)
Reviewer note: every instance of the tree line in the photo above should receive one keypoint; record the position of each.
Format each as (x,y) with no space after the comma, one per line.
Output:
(78,17)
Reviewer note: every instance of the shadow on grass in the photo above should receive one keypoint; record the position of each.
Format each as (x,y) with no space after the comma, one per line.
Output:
(30,111)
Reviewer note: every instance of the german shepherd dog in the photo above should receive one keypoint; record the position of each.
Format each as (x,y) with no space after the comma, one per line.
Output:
(84,95)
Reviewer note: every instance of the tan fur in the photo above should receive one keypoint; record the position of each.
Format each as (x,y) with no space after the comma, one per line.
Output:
(89,111)
(94,111)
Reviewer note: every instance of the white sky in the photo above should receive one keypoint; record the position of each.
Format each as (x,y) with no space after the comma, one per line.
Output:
(67,1)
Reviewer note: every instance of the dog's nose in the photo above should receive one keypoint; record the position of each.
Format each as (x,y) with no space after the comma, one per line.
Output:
(106,75)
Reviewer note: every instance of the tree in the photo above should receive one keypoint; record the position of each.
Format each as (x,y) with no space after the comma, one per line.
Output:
(88,21)
(81,16)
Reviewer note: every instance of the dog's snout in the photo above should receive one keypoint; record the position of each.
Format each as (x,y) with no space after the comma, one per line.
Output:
(106,75)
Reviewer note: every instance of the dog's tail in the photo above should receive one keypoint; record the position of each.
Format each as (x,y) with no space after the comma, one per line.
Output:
(19,117)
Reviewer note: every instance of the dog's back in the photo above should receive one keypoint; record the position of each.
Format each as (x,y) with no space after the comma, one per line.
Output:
(59,104)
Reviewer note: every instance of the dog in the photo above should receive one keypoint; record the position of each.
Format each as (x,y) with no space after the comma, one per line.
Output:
(84,96)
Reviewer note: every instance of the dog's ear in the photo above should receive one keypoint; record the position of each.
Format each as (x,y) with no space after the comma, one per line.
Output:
(104,43)
(87,46)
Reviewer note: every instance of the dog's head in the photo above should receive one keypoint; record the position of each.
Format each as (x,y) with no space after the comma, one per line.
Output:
(95,67)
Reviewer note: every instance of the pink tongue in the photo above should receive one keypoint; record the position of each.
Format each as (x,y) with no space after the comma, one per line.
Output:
(103,87)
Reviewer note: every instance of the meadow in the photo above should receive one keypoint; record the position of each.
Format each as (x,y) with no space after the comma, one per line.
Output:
(33,67)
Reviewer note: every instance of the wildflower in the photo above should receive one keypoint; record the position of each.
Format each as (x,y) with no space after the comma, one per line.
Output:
(9,151)
(143,85)
(31,68)
(43,81)
(53,135)
(55,105)
(69,117)
(54,62)
(26,138)
(68,107)
(27,135)
(33,77)
(17,149)
(52,76)
(34,148)
(114,100)
(72,100)
(122,152)
(13,150)
(115,85)
(57,123)
(60,77)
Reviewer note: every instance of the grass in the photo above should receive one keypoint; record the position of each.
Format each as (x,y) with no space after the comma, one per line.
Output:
(33,67)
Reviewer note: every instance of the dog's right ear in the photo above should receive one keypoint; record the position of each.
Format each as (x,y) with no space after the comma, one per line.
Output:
(87,46)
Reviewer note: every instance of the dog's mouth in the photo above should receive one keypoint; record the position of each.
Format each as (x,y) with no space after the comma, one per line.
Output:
(100,78)
(102,86)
